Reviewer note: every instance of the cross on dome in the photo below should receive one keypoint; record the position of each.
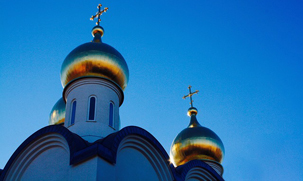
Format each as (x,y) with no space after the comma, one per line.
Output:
(98,14)
(190,96)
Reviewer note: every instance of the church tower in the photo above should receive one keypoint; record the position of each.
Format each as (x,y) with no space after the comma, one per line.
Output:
(93,76)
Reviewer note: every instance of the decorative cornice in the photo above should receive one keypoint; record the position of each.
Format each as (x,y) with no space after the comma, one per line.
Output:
(93,80)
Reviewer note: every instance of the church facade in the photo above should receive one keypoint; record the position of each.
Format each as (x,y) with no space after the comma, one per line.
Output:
(84,140)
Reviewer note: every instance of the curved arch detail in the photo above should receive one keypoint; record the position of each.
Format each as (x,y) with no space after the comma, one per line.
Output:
(28,155)
(185,169)
(47,137)
(156,160)
(198,173)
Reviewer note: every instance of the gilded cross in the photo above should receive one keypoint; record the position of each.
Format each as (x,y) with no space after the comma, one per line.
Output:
(190,96)
(98,14)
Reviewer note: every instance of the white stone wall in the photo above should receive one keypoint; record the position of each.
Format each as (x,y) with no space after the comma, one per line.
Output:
(105,92)
(45,159)
(138,160)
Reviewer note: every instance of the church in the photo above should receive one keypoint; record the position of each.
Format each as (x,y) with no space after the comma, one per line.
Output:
(84,140)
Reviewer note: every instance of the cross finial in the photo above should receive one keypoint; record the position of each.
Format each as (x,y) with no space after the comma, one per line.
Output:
(99,13)
(190,96)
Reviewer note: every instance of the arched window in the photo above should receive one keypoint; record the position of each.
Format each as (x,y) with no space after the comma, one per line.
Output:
(92,108)
(111,115)
(73,116)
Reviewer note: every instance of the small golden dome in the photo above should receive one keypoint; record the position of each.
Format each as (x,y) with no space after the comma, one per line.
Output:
(196,142)
(95,59)
(57,115)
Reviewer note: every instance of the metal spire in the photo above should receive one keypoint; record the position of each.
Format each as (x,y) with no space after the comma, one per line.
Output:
(98,14)
(190,96)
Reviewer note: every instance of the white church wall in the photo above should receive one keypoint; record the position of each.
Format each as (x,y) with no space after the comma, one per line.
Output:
(105,92)
(95,168)
(138,160)
(47,158)
(106,170)
(133,165)
(52,164)
(86,170)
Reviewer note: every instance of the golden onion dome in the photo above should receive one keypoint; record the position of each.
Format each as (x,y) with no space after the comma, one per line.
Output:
(57,115)
(196,142)
(95,59)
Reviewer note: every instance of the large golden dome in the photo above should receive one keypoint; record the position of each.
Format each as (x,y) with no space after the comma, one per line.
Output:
(95,59)
(196,142)
(57,114)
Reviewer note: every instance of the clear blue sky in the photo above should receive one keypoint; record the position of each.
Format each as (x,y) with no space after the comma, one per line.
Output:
(245,57)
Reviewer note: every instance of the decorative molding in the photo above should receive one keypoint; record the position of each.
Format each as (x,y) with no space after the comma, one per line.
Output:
(29,154)
(93,80)
(156,160)
(199,173)
(185,169)
(74,143)
(215,165)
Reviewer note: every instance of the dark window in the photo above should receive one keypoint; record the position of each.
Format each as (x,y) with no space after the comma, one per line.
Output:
(74,105)
(92,108)
(111,115)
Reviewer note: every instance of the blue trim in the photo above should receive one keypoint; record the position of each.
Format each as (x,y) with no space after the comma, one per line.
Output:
(74,107)
(92,108)
(111,115)
(106,148)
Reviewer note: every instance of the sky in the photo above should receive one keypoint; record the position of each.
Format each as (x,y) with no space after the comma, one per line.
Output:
(245,58)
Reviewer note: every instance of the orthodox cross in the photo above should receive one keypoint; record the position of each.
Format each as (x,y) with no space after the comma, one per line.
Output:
(190,96)
(98,14)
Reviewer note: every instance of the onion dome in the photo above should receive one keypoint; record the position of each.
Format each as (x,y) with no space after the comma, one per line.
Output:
(95,59)
(196,142)
(57,115)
